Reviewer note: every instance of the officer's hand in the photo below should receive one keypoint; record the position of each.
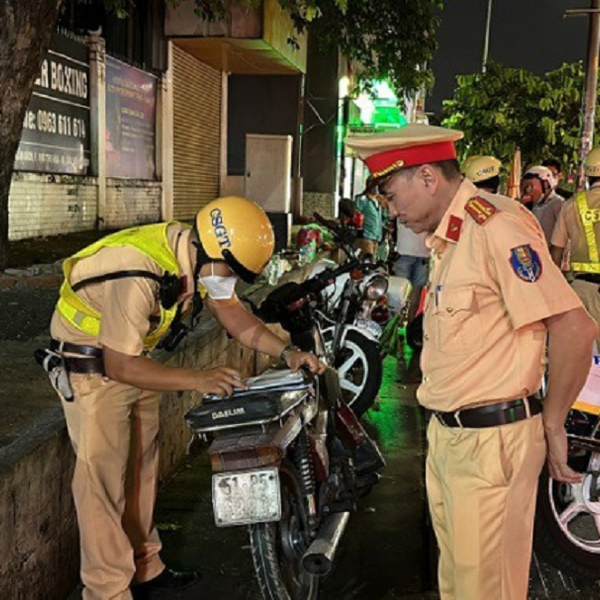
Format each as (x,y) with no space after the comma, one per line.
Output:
(297,359)
(220,381)
(556,441)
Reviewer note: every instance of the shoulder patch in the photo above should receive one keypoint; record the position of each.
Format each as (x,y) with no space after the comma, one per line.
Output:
(480,209)
(526,263)
(454,227)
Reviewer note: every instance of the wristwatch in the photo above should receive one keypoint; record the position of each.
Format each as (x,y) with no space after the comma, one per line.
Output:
(289,348)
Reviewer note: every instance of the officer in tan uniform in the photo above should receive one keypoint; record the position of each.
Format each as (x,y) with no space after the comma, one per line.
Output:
(578,225)
(494,295)
(119,298)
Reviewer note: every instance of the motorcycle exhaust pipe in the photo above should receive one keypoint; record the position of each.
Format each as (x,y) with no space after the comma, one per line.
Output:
(318,559)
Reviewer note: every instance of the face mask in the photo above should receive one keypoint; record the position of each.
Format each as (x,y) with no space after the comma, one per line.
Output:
(218,287)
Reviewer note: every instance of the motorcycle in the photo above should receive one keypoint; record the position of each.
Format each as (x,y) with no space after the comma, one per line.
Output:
(567,526)
(290,459)
(343,312)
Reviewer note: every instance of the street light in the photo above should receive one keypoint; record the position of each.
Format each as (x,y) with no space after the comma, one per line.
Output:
(591,82)
(486,39)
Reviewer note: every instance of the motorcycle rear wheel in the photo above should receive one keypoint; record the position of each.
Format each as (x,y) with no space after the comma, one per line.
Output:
(567,522)
(360,368)
(277,548)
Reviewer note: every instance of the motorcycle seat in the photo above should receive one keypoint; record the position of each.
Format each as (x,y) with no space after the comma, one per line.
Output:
(250,408)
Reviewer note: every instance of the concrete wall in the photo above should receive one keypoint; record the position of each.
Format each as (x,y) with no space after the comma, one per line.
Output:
(45,204)
(131,202)
(38,529)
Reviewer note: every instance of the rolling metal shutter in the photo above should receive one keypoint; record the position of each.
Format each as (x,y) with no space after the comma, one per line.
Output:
(196,134)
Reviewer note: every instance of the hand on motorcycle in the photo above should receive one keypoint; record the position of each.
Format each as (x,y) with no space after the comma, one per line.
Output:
(297,359)
(220,381)
(556,441)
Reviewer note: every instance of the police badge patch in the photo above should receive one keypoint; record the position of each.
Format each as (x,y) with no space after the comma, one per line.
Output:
(526,263)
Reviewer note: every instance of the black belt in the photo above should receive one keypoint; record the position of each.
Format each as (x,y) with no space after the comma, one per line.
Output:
(491,415)
(93,351)
(589,277)
(84,365)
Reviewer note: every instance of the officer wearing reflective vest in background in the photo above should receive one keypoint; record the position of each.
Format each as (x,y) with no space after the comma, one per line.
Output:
(494,296)
(484,172)
(579,225)
(121,296)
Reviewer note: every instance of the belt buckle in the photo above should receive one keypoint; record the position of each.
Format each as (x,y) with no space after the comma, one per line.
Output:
(456,415)
(527,407)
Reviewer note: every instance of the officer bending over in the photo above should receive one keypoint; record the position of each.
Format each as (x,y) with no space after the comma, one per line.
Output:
(119,298)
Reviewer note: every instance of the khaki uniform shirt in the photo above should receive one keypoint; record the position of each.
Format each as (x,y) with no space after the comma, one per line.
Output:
(128,306)
(492,282)
(569,227)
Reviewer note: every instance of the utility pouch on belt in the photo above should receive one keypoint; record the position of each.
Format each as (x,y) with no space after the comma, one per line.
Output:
(54,365)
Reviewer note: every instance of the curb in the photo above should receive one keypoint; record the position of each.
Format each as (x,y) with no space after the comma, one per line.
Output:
(35,277)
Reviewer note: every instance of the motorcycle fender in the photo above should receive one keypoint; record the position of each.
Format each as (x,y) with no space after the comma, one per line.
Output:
(361,331)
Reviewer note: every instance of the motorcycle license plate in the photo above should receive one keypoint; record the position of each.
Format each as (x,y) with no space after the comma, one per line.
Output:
(245,497)
(370,326)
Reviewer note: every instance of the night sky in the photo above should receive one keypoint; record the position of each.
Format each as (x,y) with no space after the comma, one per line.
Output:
(524,33)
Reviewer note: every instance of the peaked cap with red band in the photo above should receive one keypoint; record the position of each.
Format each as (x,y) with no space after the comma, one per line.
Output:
(408,146)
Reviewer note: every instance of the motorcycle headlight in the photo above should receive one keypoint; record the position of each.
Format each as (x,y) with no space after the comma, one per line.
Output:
(376,287)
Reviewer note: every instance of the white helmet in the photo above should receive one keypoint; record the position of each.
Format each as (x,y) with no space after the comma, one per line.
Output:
(543,173)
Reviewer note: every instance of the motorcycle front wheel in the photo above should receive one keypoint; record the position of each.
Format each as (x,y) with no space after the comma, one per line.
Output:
(360,369)
(277,548)
(567,522)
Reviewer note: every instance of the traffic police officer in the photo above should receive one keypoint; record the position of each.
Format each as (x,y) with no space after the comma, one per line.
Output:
(484,172)
(579,225)
(494,295)
(119,298)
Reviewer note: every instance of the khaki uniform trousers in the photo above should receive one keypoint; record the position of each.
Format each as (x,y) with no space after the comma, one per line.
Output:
(114,429)
(589,294)
(481,486)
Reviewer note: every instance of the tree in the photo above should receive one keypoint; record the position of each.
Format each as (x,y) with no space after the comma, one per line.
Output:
(391,39)
(507,108)
(25,33)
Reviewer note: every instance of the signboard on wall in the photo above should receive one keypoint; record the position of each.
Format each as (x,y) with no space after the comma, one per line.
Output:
(130,121)
(56,129)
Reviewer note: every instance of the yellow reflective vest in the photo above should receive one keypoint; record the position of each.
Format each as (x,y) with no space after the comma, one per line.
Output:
(148,239)
(589,217)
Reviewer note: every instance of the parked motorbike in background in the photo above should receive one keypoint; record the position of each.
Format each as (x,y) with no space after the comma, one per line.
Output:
(567,528)
(342,311)
(290,459)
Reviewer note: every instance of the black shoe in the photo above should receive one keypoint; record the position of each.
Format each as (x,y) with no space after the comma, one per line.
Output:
(166,585)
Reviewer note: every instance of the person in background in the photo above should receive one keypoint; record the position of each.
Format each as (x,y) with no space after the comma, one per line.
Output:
(556,168)
(119,299)
(412,264)
(578,227)
(372,206)
(484,172)
(494,297)
(537,188)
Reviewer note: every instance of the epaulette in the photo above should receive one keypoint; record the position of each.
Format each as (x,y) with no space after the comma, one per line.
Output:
(480,209)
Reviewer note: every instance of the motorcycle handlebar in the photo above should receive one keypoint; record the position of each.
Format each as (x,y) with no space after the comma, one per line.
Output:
(328,276)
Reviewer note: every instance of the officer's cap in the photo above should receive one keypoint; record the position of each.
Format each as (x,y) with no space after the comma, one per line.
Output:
(408,146)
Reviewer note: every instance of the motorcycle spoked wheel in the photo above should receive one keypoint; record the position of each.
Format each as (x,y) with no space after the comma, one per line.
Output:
(277,548)
(567,521)
(360,369)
